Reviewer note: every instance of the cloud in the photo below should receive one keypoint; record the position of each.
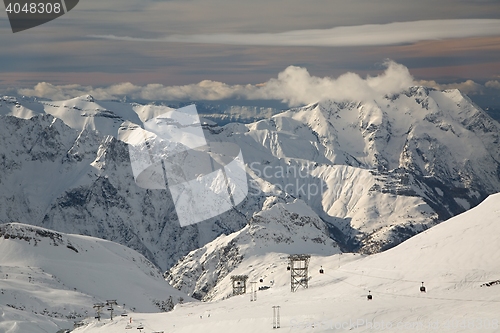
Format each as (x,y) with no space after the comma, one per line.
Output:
(362,35)
(50,91)
(295,86)
(468,87)
(493,84)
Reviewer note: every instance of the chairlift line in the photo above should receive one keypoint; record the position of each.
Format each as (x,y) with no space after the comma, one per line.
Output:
(370,296)
(400,280)
(412,296)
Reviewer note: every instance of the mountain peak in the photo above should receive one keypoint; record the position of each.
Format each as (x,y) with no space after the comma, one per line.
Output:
(280,228)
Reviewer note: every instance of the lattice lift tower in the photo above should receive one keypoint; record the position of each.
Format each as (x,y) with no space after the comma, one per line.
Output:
(239,284)
(299,264)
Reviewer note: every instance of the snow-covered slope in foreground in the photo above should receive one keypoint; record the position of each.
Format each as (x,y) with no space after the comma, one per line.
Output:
(49,279)
(454,259)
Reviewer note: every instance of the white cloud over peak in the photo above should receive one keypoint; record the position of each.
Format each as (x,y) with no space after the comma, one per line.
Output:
(361,35)
(296,86)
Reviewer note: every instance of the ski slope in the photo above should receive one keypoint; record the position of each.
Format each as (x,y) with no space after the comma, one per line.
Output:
(48,279)
(454,259)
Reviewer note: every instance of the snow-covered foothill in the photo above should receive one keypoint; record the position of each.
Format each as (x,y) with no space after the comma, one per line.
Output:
(49,279)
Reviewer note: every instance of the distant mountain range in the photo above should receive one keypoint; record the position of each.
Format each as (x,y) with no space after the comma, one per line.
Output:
(374,172)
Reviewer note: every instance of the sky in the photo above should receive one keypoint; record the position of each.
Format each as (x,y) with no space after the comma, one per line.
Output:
(178,48)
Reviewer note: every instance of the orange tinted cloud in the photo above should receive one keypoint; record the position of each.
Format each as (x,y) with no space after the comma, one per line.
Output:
(479,71)
(449,46)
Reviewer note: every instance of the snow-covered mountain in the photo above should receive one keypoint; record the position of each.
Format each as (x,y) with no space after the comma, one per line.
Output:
(387,169)
(49,279)
(279,229)
(458,261)
(377,172)
(77,180)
